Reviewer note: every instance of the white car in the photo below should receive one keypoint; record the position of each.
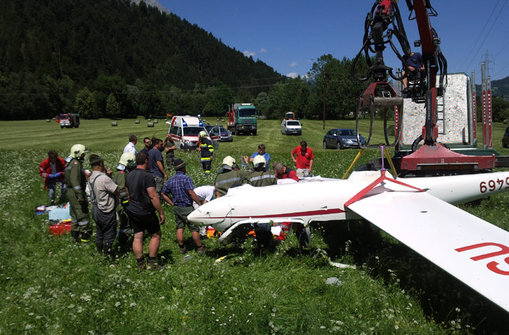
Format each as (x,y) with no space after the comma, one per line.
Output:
(291,127)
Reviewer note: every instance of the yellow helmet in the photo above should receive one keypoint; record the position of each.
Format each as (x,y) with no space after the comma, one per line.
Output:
(78,150)
(229,161)
(203,134)
(259,160)
(127,159)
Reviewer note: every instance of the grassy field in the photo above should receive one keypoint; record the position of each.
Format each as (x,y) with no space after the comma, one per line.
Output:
(53,286)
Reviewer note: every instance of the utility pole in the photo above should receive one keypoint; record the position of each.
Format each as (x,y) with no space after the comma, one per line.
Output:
(487,116)
(474,106)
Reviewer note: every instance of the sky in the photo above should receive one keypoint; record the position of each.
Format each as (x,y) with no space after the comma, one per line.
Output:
(289,35)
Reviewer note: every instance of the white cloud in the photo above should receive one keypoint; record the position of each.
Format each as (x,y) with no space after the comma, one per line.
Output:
(263,50)
(293,64)
(292,75)
(249,53)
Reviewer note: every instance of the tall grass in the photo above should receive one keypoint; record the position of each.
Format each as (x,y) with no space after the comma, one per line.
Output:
(51,285)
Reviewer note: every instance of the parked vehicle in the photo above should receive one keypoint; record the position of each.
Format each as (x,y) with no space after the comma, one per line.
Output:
(291,127)
(209,127)
(242,119)
(341,138)
(505,139)
(68,120)
(224,135)
(185,130)
(290,116)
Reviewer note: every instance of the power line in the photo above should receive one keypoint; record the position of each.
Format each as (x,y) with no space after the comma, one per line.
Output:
(502,69)
(474,56)
(502,49)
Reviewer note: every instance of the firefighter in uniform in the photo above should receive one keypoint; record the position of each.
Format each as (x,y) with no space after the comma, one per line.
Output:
(261,177)
(76,183)
(206,152)
(229,176)
(125,164)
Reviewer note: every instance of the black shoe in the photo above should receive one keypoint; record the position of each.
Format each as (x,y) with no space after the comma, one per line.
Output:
(201,250)
(142,264)
(154,265)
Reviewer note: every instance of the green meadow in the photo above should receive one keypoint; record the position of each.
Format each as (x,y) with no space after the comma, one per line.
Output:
(51,285)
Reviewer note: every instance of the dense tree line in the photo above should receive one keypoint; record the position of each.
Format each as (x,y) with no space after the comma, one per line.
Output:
(112,58)
(54,51)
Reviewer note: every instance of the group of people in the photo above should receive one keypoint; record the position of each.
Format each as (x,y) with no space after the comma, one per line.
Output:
(127,202)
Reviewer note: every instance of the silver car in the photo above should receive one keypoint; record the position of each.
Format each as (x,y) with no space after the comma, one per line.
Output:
(224,134)
(291,127)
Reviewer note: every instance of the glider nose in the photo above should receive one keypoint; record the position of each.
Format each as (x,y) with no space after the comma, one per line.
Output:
(196,216)
(209,213)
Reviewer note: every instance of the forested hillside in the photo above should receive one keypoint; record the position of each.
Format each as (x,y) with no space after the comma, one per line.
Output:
(113,58)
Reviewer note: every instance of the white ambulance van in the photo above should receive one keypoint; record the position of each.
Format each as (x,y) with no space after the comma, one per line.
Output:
(185,131)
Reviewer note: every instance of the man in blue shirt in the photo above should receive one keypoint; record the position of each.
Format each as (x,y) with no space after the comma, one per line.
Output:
(414,64)
(260,152)
(181,188)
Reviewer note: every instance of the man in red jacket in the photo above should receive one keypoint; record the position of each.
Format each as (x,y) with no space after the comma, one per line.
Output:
(52,171)
(303,157)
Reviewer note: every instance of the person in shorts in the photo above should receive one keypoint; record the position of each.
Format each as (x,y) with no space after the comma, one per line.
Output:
(181,188)
(142,207)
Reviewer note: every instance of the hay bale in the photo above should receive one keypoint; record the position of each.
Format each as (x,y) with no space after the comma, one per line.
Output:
(150,124)
(48,120)
(137,121)
(114,124)
(156,121)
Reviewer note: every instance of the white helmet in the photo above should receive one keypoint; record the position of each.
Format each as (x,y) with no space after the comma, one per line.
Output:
(259,160)
(203,134)
(78,150)
(127,159)
(229,161)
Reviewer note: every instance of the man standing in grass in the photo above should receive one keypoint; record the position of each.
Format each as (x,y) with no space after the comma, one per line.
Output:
(131,146)
(169,148)
(147,145)
(181,188)
(125,165)
(303,157)
(143,202)
(155,164)
(76,184)
(103,193)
